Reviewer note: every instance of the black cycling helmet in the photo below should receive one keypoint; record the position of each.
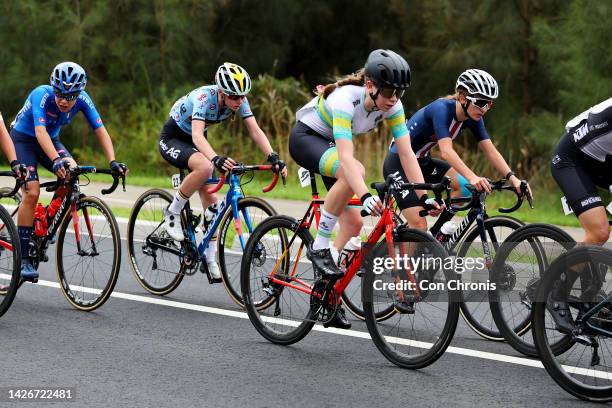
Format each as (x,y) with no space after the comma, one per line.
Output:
(387,69)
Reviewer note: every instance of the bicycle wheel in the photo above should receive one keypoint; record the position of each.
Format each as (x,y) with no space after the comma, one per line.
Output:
(158,271)
(474,299)
(232,239)
(11,204)
(519,265)
(10,260)
(351,298)
(411,340)
(88,254)
(582,279)
(277,280)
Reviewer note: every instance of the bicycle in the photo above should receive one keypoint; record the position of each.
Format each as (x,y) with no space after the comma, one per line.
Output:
(520,264)
(578,283)
(477,224)
(10,248)
(159,263)
(73,214)
(276,280)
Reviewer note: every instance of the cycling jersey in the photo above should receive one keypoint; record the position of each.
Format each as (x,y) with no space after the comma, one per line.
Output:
(436,121)
(342,114)
(202,104)
(591,131)
(40,109)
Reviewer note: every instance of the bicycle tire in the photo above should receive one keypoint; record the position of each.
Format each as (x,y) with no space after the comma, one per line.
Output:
(230,272)
(258,256)
(483,325)
(77,293)
(518,334)
(439,340)
(165,280)
(10,260)
(561,371)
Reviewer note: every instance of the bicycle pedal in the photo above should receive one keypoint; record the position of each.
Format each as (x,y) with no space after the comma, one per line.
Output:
(213,281)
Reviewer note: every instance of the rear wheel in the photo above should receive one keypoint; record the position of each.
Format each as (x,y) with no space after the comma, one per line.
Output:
(157,270)
(10,260)
(277,281)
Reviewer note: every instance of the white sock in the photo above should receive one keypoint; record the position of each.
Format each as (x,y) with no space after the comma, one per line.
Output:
(178,203)
(211,251)
(326,226)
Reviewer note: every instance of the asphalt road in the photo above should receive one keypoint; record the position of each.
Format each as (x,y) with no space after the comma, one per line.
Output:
(195,347)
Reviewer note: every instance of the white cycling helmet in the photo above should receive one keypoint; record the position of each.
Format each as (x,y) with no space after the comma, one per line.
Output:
(478,82)
(232,79)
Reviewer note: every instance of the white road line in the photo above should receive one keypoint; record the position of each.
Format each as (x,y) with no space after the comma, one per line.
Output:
(349,333)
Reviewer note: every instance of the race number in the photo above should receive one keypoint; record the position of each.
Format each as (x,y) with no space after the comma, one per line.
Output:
(176,181)
(566,208)
(304,176)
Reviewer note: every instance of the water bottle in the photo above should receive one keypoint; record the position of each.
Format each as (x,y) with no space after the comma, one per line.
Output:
(40,220)
(447,230)
(348,253)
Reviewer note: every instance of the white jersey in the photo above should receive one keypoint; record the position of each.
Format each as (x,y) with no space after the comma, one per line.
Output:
(342,114)
(592,130)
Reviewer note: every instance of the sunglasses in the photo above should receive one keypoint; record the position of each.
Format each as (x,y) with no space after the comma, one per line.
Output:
(481,103)
(67,96)
(389,92)
(236,97)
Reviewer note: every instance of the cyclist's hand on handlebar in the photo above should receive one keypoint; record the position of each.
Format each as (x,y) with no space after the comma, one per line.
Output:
(20,170)
(481,183)
(431,205)
(119,167)
(59,166)
(223,163)
(372,204)
(278,165)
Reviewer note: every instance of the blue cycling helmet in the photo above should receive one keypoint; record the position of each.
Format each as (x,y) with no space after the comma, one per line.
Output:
(68,77)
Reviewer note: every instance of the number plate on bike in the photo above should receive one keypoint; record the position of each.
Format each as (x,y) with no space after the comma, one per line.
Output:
(176,181)
(304,176)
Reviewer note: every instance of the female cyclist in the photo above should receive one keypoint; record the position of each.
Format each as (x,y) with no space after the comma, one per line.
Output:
(322,142)
(183,143)
(581,163)
(35,133)
(438,124)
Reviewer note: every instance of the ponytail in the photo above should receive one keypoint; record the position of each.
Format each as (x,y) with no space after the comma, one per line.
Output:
(358,78)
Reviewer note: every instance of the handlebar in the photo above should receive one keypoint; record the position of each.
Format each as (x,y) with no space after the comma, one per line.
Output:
(498,185)
(240,169)
(19,181)
(78,170)
(390,186)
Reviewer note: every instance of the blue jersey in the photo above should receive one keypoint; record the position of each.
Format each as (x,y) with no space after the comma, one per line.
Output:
(40,109)
(202,104)
(438,121)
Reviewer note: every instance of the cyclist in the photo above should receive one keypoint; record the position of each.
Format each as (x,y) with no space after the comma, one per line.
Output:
(35,133)
(183,143)
(6,144)
(438,124)
(321,142)
(581,163)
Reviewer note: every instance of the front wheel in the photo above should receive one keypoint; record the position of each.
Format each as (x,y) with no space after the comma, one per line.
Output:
(424,326)
(233,235)
(88,254)
(579,283)
(10,260)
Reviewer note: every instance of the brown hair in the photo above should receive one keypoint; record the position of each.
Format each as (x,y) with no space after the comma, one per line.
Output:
(455,96)
(358,78)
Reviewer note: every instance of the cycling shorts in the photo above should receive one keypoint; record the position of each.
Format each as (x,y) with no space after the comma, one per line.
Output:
(31,154)
(579,175)
(176,146)
(433,171)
